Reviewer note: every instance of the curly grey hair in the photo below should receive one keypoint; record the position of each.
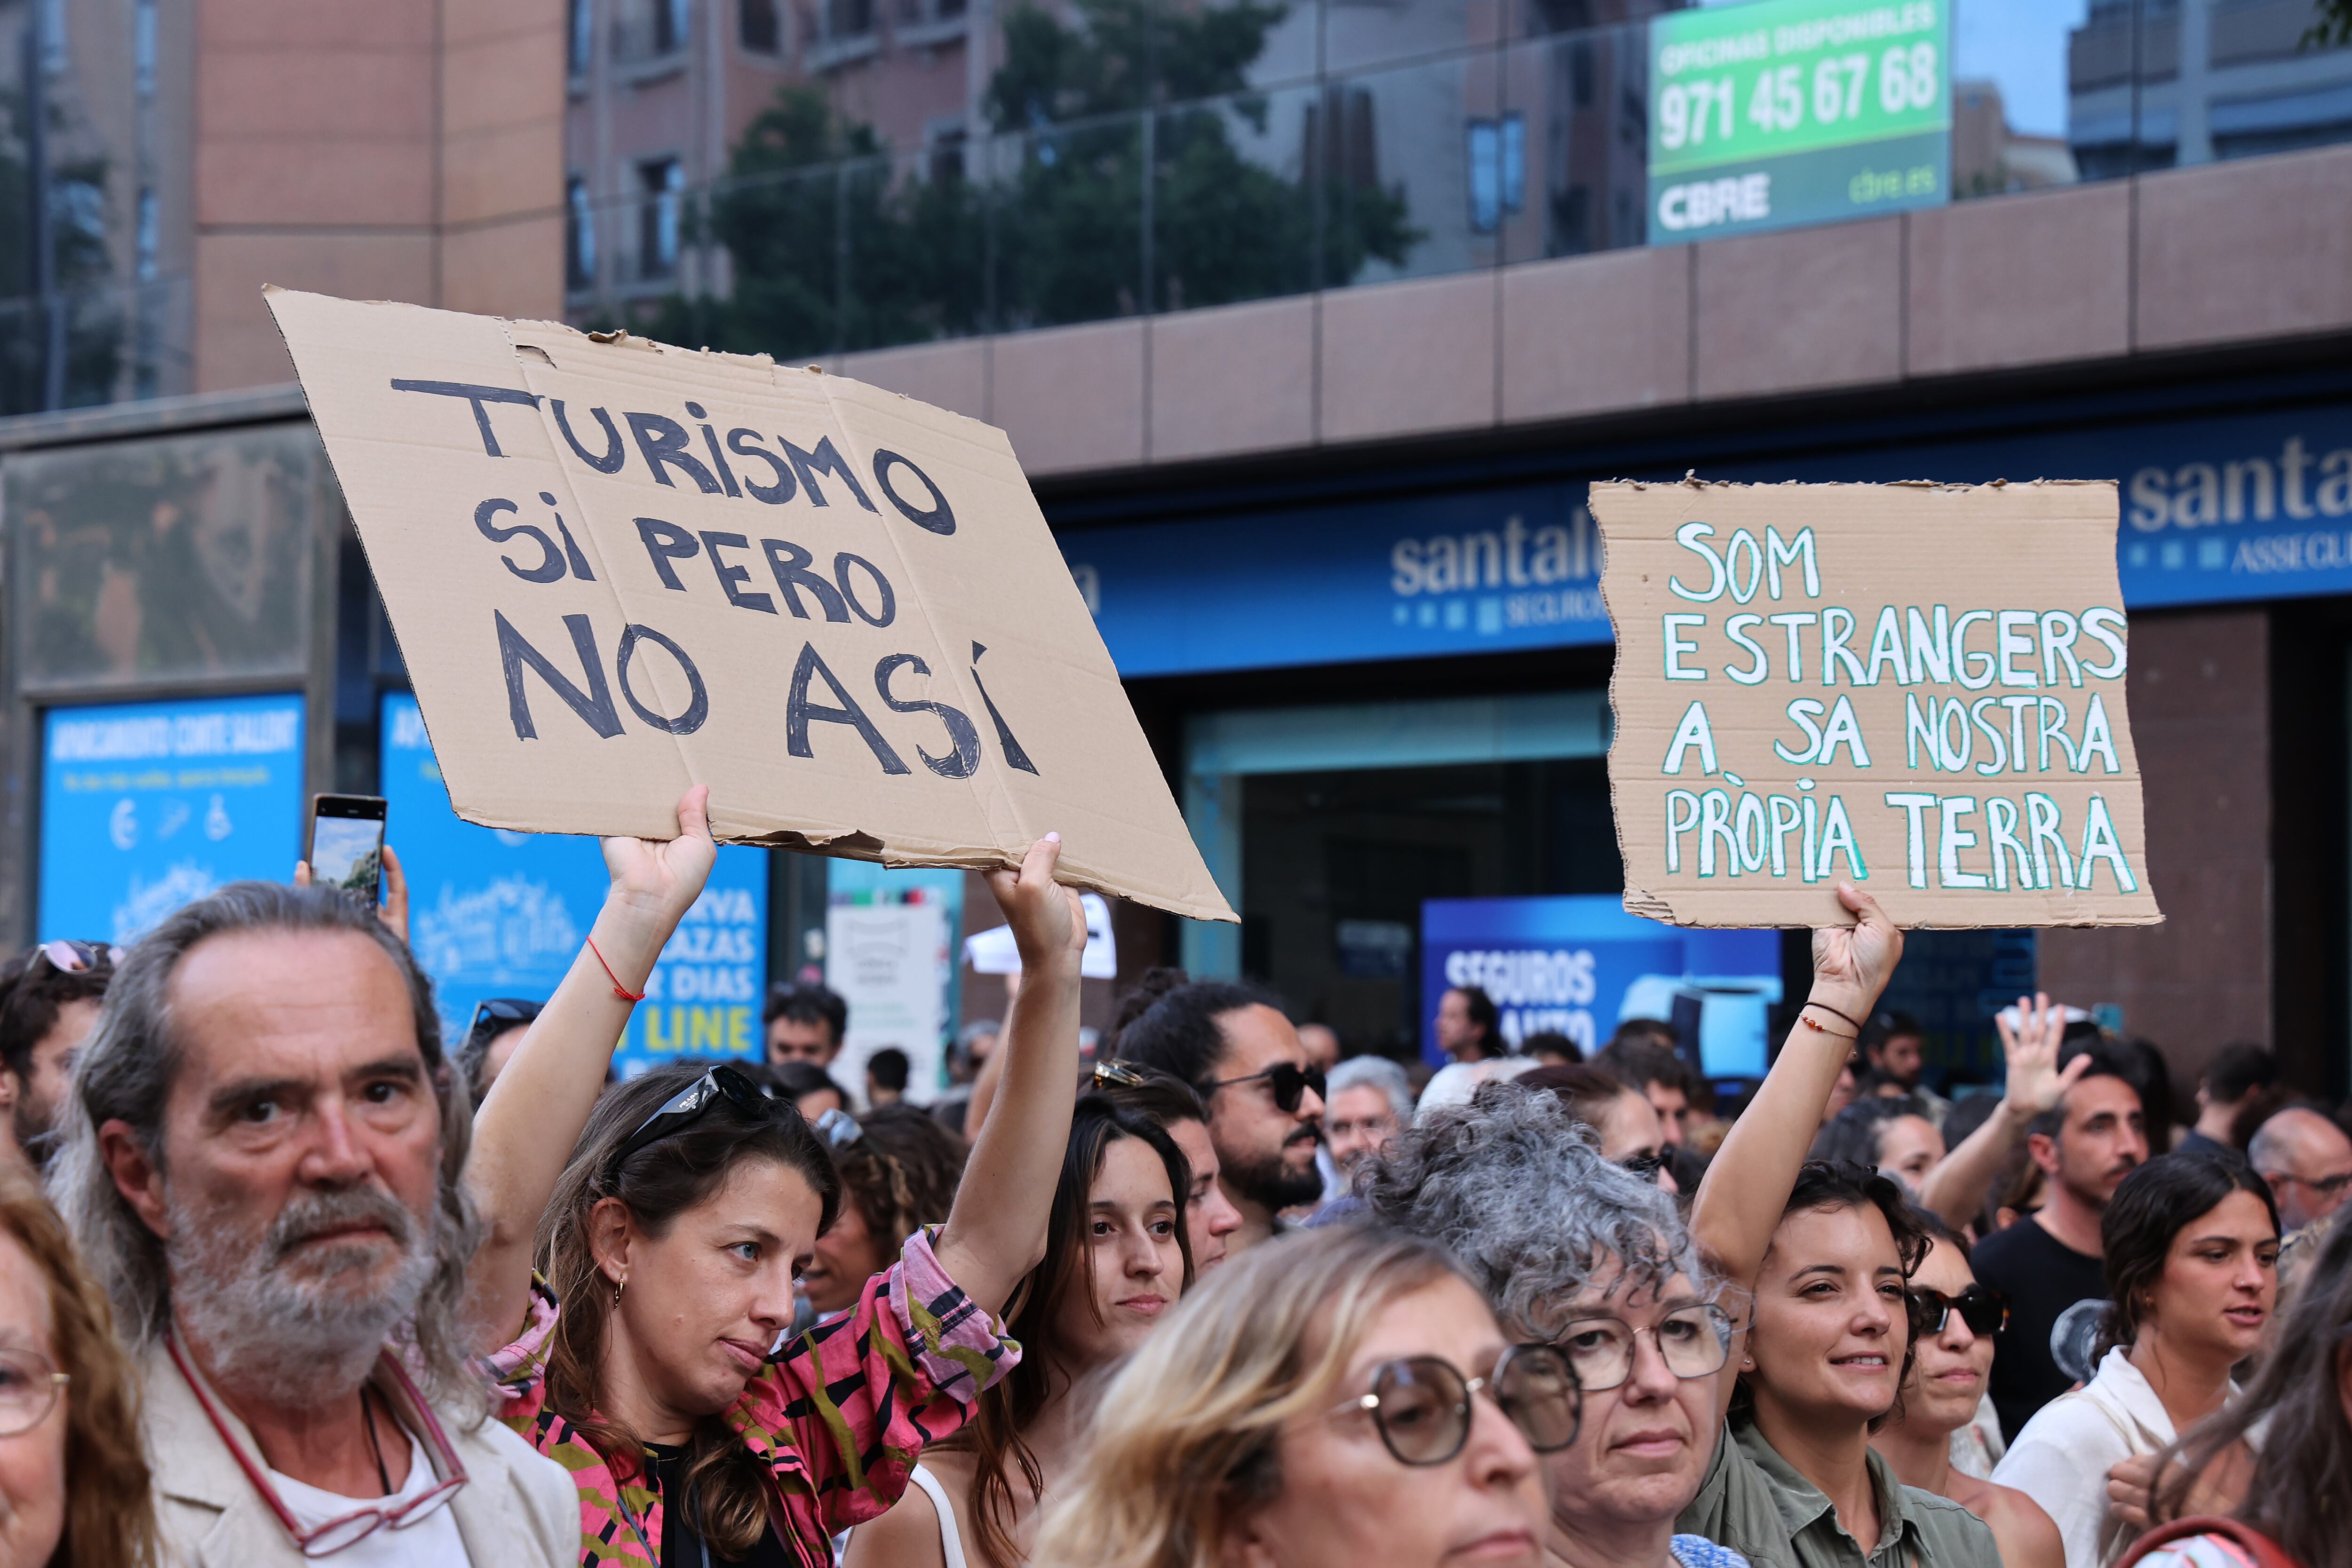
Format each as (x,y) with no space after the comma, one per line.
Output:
(1515,1187)
(125,1074)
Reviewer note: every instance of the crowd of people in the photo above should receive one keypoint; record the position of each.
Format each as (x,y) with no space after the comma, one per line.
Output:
(284,1276)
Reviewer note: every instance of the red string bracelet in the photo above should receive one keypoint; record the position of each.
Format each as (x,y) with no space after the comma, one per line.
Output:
(619,991)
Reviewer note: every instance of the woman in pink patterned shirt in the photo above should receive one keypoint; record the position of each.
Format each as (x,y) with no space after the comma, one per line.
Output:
(656,1368)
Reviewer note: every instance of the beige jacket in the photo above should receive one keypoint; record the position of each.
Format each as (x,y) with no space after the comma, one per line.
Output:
(517,1509)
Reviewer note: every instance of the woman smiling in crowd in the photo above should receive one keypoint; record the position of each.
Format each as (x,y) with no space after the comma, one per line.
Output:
(2191,1254)
(1827,1252)
(1117,1258)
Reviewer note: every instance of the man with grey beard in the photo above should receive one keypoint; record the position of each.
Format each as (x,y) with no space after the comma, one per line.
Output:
(261,1163)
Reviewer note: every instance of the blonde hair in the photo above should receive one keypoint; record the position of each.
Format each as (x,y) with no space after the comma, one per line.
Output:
(110,1504)
(1186,1441)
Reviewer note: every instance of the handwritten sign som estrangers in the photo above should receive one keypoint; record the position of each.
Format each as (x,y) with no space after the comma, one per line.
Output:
(1917,687)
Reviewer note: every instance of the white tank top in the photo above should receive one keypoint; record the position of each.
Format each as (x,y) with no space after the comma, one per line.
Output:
(950,1538)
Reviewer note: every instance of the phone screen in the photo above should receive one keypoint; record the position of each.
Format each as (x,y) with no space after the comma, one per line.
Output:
(347,852)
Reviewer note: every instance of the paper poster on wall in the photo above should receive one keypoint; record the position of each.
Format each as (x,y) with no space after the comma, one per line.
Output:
(617,568)
(1579,966)
(889,960)
(145,806)
(494,913)
(1917,687)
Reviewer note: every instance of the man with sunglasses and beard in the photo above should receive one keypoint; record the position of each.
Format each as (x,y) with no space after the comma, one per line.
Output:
(1265,1099)
(262,1164)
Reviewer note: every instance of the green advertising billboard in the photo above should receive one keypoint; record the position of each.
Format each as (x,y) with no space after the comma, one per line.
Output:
(1780,112)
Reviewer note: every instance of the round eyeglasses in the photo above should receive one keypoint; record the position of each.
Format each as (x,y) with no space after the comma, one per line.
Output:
(30,1385)
(1693,1341)
(1420,1405)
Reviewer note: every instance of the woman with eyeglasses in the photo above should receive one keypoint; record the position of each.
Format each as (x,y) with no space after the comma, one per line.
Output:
(659,1372)
(1953,1321)
(1117,1258)
(74,1487)
(2191,1248)
(1575,1250)
(1825,1253)
(1341,1400)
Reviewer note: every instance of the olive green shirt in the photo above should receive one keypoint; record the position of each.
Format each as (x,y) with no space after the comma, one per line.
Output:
(1754,1502)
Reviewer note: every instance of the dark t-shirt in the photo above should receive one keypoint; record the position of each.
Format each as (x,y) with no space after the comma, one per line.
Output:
(2043,1277)
(681,1543)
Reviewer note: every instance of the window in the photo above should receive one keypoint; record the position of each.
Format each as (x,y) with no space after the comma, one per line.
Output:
(1498,170)
(142,47)
(669,25)
(761,27)
(663,181)
(52,17)
(150,238)
(579,235)
(583,40)
(848,18)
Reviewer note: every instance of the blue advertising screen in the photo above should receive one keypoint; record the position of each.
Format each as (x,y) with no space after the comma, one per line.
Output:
(2252,506)
(1580,965)
(500,914)
(145,806)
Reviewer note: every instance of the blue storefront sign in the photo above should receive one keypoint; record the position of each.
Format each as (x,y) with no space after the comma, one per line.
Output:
(145,806)
(1580,965)
(2246,507)
(500,914)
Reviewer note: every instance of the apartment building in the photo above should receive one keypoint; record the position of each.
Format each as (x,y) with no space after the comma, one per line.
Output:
(406,149)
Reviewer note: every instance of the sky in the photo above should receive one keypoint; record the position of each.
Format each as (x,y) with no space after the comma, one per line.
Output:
(2021,45)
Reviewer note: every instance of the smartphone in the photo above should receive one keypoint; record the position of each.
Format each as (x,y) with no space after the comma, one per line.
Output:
(347,845)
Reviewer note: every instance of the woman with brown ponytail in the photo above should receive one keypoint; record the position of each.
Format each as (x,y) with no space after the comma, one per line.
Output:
(1117,1258)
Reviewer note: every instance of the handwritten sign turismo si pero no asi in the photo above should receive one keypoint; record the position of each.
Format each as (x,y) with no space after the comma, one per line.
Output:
(617,568)
(1918,687)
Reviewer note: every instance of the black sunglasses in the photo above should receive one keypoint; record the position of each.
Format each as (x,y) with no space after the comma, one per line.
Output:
(1289,1081)
(496,1014)
(1420,1405)
(1984,1310)
(684,1108)
(1646,1167)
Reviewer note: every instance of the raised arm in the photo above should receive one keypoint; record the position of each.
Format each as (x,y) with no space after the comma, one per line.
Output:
(996,1232)
(525,1131)
(1750,1180)
(1955,1190)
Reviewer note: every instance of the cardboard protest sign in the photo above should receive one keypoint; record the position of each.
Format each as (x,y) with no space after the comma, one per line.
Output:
(1917,687)
(617,568)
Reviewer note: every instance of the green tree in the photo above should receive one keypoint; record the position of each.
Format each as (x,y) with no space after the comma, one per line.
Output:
(838,245)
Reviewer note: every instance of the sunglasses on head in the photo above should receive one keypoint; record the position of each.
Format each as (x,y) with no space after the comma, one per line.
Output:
(1289,1081)
(1985,1311)
(1117,1075)
(70,957)
(686,1107)
(1420,1405)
